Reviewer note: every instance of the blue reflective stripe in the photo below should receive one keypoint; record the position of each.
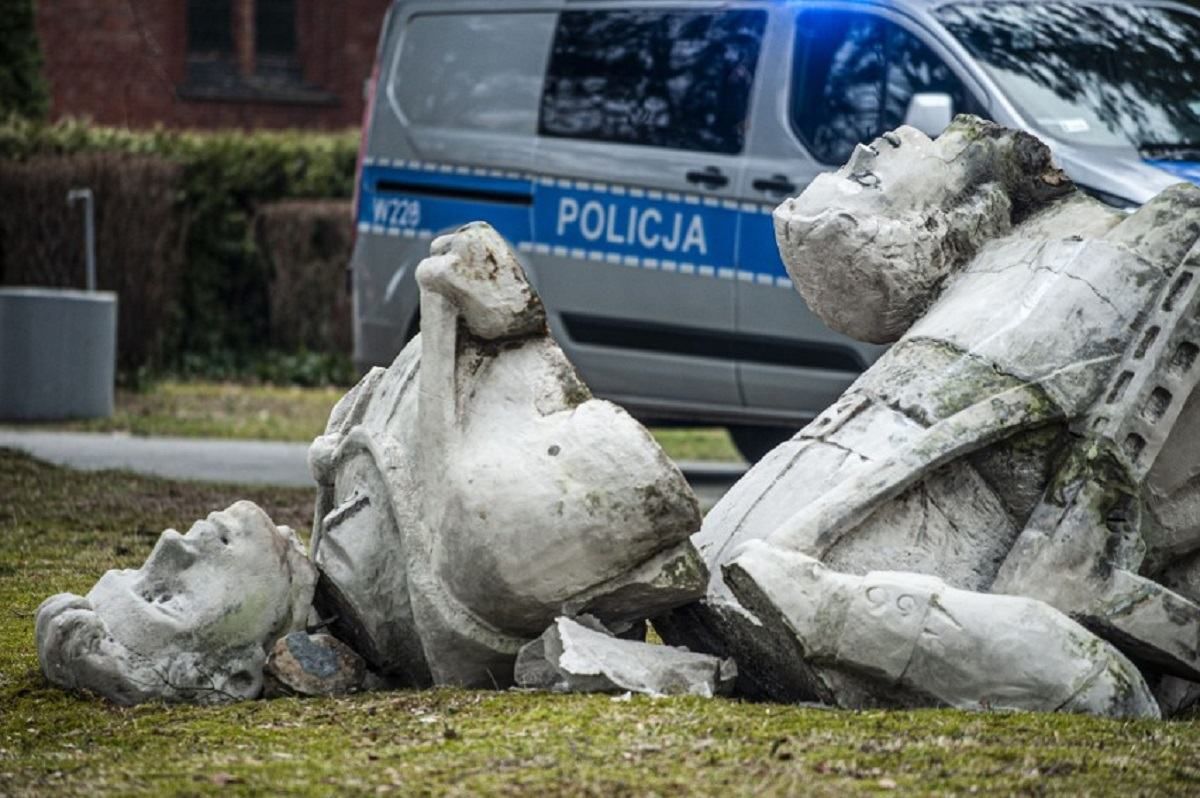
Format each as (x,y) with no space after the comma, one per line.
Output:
(585,220)
(759,254)
(1188,170)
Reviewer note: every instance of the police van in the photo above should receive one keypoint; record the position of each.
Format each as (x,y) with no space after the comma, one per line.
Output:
(632,152)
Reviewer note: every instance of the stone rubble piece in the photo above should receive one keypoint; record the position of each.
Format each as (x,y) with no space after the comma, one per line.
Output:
(193,624)
(581,656)
(474,490)
(313,665)
(1020,464)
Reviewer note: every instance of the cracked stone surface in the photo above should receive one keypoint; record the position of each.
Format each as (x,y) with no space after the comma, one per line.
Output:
(193,624)
(474,491)
(1030,432)
(580,656)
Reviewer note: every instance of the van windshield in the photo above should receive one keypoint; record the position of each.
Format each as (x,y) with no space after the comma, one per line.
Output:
(1101,75)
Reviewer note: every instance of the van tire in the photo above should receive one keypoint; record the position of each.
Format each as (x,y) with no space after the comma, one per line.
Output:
(754,441)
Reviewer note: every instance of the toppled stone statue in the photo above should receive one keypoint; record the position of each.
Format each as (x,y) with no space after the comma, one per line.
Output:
(194,623)
(469,495)
(474,491)
(1031,432)
(581,656)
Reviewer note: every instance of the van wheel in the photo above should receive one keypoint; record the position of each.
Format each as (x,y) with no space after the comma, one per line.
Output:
(755,441)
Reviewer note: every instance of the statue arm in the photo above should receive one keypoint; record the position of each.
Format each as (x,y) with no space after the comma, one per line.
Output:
(906,634)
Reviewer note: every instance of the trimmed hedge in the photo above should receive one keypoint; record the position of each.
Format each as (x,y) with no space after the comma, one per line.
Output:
(224,306)
(140,233)
(307,244)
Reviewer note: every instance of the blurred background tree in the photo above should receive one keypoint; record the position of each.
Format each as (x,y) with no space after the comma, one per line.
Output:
(22,88)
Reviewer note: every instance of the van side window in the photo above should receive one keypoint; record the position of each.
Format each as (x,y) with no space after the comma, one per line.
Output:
(671,78)
(473,72)
(854,75)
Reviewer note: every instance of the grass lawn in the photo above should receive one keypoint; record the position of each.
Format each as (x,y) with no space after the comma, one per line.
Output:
(266,412)
(60,530)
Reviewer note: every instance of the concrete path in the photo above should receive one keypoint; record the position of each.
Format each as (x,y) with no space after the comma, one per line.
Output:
(205,460)
(248,462)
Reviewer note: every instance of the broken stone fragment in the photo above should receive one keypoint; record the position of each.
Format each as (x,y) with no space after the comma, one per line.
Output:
(581,656)
(193,624)
(312,665)
(475,490)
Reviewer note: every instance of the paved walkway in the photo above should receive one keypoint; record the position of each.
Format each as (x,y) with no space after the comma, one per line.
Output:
(205,460)
(248,462)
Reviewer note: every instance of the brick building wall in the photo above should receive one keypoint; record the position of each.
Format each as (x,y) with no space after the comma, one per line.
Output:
(135,62)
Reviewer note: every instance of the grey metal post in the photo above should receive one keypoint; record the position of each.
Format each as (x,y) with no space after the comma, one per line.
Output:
(89,230)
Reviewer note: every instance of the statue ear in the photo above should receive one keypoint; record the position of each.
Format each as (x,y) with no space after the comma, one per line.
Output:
(76,651)
(65,622)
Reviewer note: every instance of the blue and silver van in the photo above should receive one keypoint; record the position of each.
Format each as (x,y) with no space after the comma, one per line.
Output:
(632,152)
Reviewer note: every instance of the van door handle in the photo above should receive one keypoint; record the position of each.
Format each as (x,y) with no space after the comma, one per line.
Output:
(710,177)
(777,184)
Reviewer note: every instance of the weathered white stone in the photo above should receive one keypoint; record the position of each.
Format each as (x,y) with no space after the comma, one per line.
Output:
(911,638)
(911,211)
(194,623)
(581,656)
(474,490)
(312,665)
(1031,433)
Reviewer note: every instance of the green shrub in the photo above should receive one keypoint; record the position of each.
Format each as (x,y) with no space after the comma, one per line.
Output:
(224,304)
(307,246)
(140,230)
(22,89)
(271,366)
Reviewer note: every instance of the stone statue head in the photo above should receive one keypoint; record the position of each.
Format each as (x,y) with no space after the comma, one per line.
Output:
(193,623)
(968,186)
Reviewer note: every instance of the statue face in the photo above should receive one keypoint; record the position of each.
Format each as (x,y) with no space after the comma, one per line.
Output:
(228,581)
(194,623)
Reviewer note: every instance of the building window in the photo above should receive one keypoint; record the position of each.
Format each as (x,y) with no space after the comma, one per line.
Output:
(210,28)
(246,50)
(211,60)
(275,39)
(275,27)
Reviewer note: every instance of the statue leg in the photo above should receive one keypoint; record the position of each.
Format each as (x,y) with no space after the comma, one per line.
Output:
(913,638)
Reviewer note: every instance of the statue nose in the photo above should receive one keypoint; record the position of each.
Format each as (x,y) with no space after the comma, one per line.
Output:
(172,551)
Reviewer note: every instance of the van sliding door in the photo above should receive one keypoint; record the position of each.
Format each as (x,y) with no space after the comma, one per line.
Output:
(852,74)
(641,128)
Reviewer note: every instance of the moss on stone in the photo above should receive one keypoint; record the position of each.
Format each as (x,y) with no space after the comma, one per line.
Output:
(61,530)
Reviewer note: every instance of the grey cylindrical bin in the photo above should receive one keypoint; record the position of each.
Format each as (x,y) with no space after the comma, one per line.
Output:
(58,353)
